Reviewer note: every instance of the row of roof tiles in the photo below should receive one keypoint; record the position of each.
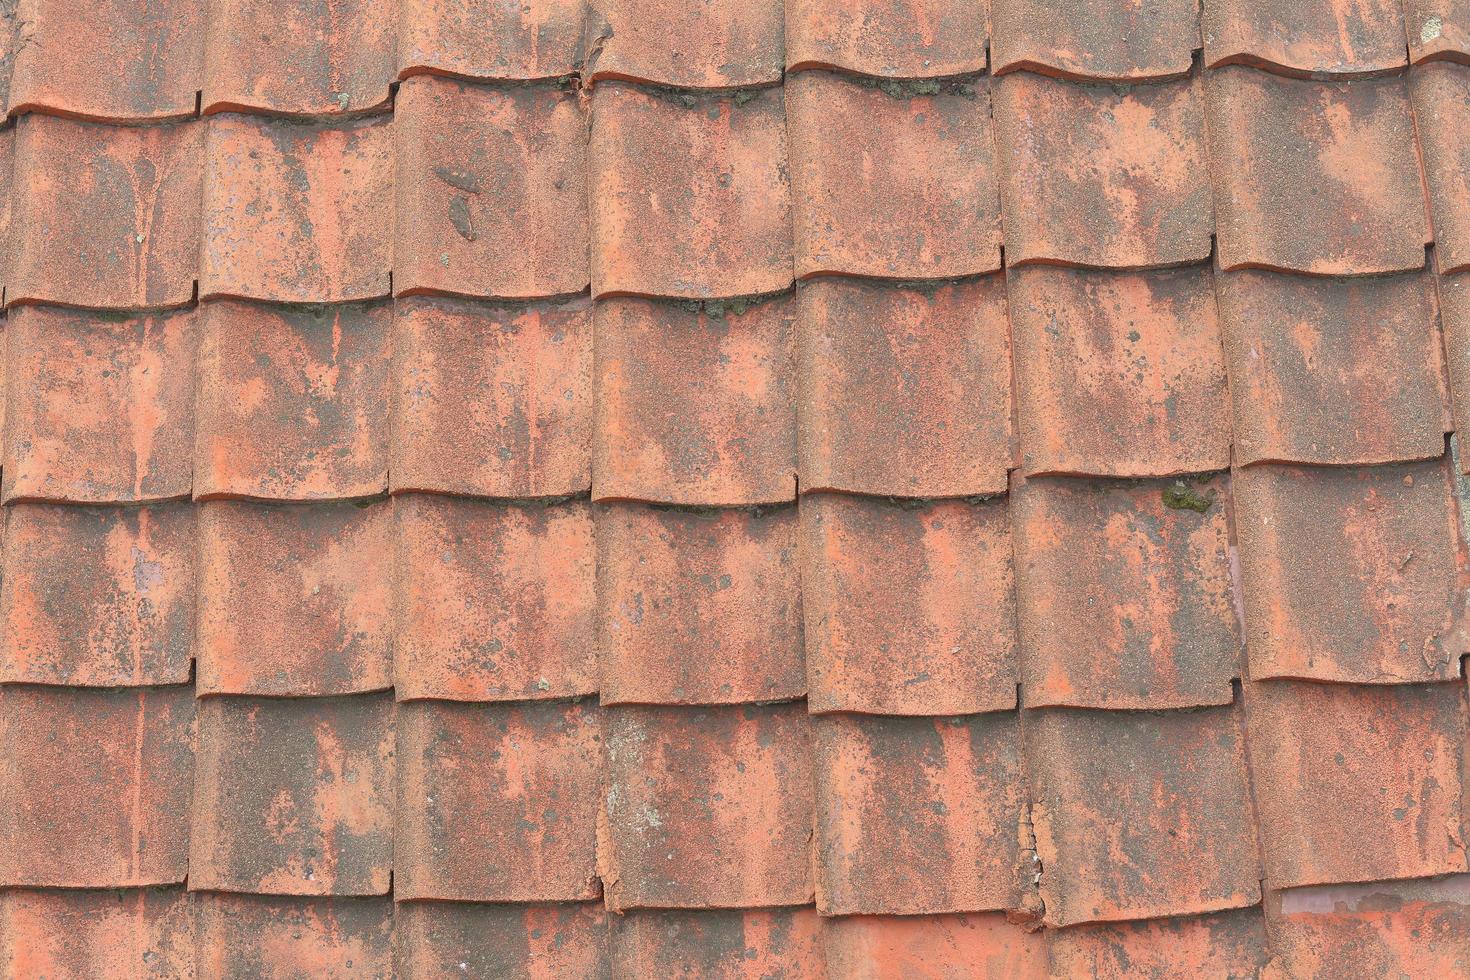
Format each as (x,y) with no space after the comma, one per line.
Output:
(697,196)
(287,56)
(1408,929)
(845,385)
(744,806)
(1120,595)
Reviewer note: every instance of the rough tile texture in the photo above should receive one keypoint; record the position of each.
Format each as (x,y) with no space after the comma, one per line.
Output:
(806,489)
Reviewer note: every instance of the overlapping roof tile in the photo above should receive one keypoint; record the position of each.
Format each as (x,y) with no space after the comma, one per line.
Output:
(848,489)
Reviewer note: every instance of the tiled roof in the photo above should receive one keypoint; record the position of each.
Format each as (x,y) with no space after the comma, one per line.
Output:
(853,489)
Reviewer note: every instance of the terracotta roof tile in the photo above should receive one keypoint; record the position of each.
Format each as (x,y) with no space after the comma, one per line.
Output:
(101,405)
(969,947)
(104,216)
(720,945)
(1123,592)
(72,757)
(294,796)
(512,798)
(888,38)
(1102,175)
(1221,944)
(495,601)
(1118,373)
(293,401)
(295,211)
(698,607)
(910,608)
(492,189)
(1084,40)
(1349,575)
(714,44)
(492,400)
(1437,30)
(294,599)
(446,939)
(892,180)
(543,39)
(299,56)
(98,596)
(694,402)
(1158,823)
(1313,176)
(918,815)
(112,933)
(1441,100)
(1384,929)
(1330,370)
(7,186)
(690,193)
(1357,783)
(707,807)
(112,60)
(240,937)
(1330,37)
(904,390)
(1454,306)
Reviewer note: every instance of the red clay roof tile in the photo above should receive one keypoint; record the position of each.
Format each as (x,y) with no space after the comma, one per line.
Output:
(1357,783)
(494,601)
(447,939)
(966,947)
(497,803)
(918,815)
(294,599)
(118,59)
(698,607)
(7,186)
(113,933)
(714,44)
(694,402)
(491,189)
(1139,815)
(1124,593)
(1350,575)
(98,596)
(299,56)
(718,945)
(888,38)
(691,196)
(1313,176)
(293,401)
(243,937)
(1102,176)
(1441,101)
(1328,370)
(296,211)
(96,785)
(1221,944)
(1081,39)
(1438,30)
(1328,37)
(904,390)
(294,796)
(910,608)
(707,807)
(1454,307)
(1382,929)
(540,39)
(101,405)
(492,400)
(105,216)
(1118,373)
(892,180)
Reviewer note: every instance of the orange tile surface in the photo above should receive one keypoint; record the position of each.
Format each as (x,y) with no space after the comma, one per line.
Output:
(805,489)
